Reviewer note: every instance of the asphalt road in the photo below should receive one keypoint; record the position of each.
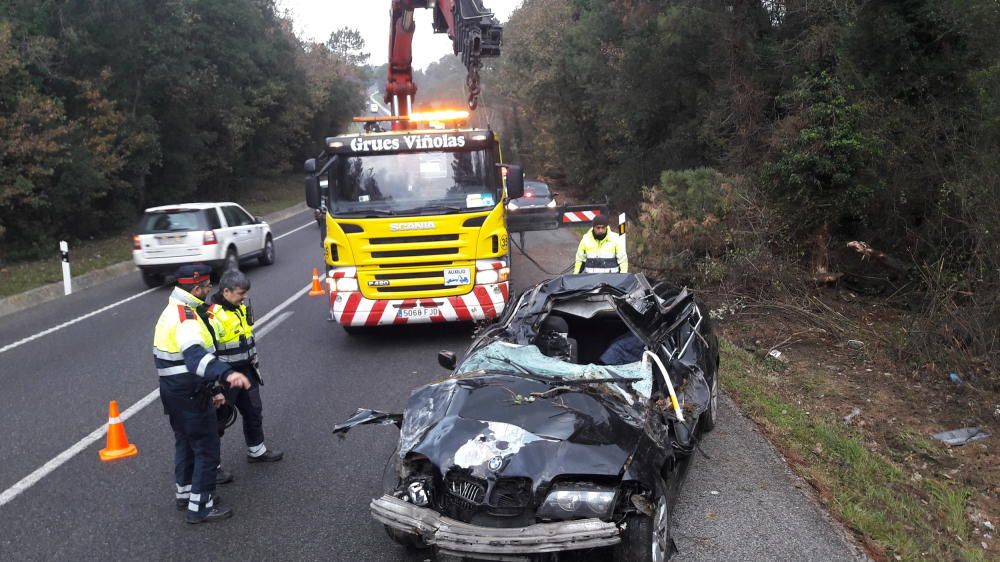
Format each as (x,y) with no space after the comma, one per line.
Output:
(314,504)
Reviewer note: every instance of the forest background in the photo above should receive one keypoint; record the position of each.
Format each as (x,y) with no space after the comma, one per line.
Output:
(761,136)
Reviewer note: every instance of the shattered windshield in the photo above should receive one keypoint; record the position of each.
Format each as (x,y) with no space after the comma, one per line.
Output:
(512,358)
(414,183)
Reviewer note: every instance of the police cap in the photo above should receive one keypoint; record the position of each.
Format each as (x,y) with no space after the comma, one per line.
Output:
(600,220)
(193,274)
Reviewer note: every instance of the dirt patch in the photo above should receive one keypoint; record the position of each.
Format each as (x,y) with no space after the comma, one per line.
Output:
(833,358)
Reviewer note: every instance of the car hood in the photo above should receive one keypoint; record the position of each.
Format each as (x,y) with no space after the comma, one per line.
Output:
(495,425)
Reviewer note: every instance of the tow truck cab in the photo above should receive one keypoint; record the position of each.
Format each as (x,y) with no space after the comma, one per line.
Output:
(415,225)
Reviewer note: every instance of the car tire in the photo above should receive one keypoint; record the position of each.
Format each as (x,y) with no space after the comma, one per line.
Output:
(232,261)
(646,539)
(267,257)
(710,416)
(152,280)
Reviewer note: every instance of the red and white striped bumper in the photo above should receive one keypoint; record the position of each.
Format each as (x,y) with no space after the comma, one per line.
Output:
(482,303)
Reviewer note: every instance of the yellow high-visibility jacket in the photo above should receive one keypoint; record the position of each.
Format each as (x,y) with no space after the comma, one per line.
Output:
(233,332)
(601,256)
(183,351)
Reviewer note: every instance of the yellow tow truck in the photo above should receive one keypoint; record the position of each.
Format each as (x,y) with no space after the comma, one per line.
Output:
(415,225)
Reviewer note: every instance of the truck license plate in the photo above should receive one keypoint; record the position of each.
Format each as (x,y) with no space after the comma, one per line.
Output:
(417,312)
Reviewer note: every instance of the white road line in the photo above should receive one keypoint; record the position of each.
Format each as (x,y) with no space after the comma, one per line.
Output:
(277,322)
(19,343)
(68,323)
(60,459)
(295,230)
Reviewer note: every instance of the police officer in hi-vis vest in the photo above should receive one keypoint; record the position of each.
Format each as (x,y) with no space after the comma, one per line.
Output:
(183,352)
(232,322)
(600,250)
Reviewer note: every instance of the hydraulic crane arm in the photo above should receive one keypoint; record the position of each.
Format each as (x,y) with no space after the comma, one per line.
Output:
(474,33)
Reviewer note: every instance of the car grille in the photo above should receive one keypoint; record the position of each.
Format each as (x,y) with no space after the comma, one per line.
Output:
(466,496)
(412,266)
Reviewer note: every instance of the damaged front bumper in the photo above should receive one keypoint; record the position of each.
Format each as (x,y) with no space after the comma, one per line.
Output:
(454,537)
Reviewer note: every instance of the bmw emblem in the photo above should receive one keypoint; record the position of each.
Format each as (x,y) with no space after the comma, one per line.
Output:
(495,463)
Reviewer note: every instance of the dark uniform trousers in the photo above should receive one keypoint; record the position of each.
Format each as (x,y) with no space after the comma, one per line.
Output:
(196,439)
(249,405)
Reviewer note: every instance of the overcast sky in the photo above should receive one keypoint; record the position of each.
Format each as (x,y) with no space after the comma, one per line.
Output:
(317,19)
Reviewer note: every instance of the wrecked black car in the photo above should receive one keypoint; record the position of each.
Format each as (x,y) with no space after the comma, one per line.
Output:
(567,426)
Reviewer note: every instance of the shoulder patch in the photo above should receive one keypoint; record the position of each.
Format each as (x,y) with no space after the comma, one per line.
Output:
(185,313)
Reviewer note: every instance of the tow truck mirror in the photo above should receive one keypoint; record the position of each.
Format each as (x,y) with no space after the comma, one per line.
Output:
(515,182)
(310,166)
(447,359)
(312,192)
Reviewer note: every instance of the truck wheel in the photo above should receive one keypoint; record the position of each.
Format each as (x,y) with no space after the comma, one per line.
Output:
(267,258)
(646,539)
(152,280)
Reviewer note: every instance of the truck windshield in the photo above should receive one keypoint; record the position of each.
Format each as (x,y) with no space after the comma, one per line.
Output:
(414,183)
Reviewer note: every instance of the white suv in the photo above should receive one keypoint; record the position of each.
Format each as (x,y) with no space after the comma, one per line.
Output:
(217,234)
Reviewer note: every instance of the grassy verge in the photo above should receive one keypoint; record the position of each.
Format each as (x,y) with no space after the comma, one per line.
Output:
(260,197)
(896,516)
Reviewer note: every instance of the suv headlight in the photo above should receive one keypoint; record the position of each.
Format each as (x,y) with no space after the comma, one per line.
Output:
(511,206)
(551,204)
(577,500)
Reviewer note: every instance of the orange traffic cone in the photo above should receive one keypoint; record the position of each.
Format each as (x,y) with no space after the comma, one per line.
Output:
(317,289)
(118,445)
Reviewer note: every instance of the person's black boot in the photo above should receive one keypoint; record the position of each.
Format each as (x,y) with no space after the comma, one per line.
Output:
(268,456)
(215,513)
(222,476)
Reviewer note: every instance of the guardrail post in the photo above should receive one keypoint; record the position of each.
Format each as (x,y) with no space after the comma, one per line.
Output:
(64,254)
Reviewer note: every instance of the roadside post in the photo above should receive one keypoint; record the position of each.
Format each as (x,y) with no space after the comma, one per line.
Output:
(64,254)
(621,230)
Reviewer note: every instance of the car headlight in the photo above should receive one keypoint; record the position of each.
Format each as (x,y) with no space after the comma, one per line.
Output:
(551,204)
(571,501)
(347,284)
(511,206)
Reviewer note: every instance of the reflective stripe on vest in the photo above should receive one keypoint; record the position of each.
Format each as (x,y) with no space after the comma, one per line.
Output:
(600,265)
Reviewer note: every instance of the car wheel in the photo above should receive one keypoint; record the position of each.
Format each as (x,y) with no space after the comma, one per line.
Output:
(152,280)
(267,258)
(232,261)
(647,539)
(708,418)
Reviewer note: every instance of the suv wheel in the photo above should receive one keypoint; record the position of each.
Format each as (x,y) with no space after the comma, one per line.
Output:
(267,258)
(232,261)
(152,280)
